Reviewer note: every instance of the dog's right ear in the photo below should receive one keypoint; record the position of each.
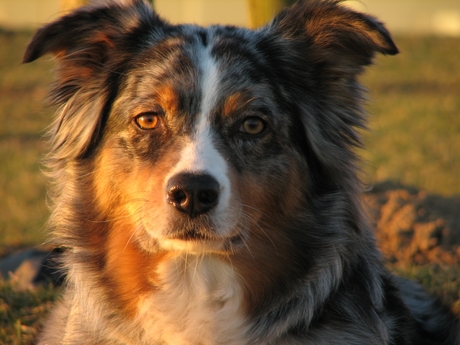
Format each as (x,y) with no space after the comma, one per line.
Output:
(90,45)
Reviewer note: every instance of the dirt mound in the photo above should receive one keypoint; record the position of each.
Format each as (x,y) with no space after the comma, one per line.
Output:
(414,226)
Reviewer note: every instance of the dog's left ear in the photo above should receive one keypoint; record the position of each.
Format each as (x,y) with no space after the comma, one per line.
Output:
(335,34)
(322,47)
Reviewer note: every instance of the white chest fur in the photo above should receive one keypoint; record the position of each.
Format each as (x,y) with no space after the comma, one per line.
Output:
(198,302)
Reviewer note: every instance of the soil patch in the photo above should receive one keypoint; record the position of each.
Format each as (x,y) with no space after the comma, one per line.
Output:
(413,226)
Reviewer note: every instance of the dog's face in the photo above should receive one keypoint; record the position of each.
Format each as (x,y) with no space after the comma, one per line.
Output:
(201,140)
(199,144)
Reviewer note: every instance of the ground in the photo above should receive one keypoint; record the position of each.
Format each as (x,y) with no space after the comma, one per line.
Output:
(419,236)
(414,226)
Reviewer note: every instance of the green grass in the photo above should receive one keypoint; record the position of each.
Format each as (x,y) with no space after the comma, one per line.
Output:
(439,280)
(415,123)
(21,312)
(414,139)
(23,120)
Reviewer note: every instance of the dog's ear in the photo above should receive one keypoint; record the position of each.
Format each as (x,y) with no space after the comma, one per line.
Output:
(322,47)
(85,36)
(90,45)
(335,34)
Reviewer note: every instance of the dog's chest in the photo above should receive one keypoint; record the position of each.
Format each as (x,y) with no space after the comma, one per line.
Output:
(198,301)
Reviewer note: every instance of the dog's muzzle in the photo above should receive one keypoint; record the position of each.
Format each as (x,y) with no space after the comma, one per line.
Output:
(193,194)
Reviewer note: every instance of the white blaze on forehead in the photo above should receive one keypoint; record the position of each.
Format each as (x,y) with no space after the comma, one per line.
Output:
(200,154)
(209,83)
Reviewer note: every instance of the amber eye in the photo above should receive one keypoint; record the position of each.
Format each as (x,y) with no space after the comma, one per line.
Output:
(253,125)
(148,121)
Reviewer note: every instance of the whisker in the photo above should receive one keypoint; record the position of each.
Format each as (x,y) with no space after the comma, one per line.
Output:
(258,210)
(197,261)
(129,239)
(249,218)
(126,216)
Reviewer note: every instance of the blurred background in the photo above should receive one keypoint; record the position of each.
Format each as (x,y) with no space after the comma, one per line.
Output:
(413,144)
(439,17)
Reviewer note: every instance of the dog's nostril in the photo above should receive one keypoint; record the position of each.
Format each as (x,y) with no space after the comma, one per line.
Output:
(208,196)
(193,194)
(178,196)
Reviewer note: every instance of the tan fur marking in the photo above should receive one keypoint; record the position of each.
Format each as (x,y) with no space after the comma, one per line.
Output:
(102,38)
(168,98)
(128,268)
(131,269)
(104,184)
(231,104)
(235,103)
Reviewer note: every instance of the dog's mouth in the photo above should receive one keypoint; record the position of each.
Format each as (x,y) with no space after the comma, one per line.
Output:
(197,242)
(193,235)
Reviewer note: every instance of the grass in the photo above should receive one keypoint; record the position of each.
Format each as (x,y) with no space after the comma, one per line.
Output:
(414,139)
(415,122)
(439,279)
(23,117)
(21,312)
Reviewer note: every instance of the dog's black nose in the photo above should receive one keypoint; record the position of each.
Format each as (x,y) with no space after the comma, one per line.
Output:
(193,194)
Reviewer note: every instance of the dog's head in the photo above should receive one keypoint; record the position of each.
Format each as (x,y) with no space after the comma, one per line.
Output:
(198,138)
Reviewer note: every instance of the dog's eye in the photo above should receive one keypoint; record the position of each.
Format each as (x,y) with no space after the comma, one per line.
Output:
(147,121)
(253,125)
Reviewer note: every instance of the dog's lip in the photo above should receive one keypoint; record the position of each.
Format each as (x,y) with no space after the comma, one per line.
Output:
(198,237)
(202,235)
(203,244)
(193,235)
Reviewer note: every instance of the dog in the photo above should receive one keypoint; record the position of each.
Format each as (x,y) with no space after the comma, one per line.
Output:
(205,185)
